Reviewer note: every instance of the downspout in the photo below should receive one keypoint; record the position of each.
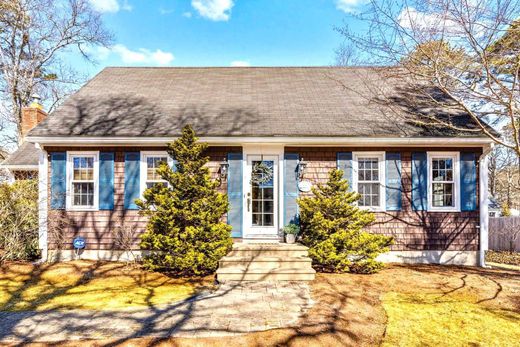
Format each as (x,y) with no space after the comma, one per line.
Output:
(483,203)
(42,203)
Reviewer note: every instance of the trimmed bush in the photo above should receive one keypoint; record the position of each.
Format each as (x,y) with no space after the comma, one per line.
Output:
(332,227)
(185,231)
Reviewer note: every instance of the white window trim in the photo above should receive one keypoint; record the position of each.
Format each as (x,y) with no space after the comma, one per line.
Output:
(143,166)
(382,177)
(69,171)
(456,179)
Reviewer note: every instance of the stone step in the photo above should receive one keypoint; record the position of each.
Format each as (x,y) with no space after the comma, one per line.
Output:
(281,250)
(224,275)
(265,263)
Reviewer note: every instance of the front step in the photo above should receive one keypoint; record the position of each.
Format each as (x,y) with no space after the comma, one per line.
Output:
(266,262)
(267,250)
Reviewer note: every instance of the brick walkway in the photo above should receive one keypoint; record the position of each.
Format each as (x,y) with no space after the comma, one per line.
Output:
(232,309)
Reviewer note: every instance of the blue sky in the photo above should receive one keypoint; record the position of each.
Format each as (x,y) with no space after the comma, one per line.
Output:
(220,32)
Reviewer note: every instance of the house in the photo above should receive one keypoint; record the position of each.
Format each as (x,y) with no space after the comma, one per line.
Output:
(23,163)
(427,187)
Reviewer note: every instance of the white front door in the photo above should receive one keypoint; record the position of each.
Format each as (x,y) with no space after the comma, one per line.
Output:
(261,196)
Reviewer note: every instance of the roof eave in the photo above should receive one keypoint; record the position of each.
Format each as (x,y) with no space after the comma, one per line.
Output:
(93,141)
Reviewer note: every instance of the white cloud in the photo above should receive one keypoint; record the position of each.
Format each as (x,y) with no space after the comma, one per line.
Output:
(164,11)
(240,63)
(410,18)
(187,14)
(217,10)
(349,6)
(110,6)
(141,56)
(127,7)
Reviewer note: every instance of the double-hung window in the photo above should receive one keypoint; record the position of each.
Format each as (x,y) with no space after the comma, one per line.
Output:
(82,176)
(150,162)
(443,181)
(369,178)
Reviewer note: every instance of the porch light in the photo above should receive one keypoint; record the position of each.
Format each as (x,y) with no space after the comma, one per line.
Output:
(224,166)
(302,165)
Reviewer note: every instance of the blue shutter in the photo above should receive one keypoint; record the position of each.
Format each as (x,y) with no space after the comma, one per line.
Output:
(344,162)
(419,181)
(132,178)
(174,165)
(106,181)
(58,180)
(393,181)
(290,188)
(234,191)
(468,181)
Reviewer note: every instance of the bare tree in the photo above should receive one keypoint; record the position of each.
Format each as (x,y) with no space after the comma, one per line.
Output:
(34,35)
(456,48)
(125,236)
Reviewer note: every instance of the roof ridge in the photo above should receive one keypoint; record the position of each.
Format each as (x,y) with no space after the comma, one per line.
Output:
(246,67)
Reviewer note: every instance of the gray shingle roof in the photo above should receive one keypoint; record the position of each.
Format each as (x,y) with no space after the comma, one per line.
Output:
(27,154)
(279,101)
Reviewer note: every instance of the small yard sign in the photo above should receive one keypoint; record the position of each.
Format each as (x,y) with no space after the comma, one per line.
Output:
(79,242)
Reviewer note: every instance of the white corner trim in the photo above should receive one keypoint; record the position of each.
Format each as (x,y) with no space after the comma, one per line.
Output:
(283,140)
(69,172)
(380,155)
(483,204)
(467,258)
(43,167)
(456,179)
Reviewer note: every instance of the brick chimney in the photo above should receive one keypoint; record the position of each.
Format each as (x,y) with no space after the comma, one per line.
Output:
(32,115)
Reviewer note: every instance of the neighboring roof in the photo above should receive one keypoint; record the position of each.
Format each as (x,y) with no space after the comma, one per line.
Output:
(264,101)
(26,157)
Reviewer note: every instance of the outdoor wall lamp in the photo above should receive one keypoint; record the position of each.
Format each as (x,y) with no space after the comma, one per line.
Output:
(224,166)
(302,166)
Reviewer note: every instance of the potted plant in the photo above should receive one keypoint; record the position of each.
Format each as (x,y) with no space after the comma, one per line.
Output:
(290,231)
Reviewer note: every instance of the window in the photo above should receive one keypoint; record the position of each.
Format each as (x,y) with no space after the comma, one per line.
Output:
(83,170)
(368,179)
(443,182)
(150,162)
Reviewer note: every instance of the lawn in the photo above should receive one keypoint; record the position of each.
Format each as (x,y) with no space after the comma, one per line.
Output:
(88,285)
(400,306)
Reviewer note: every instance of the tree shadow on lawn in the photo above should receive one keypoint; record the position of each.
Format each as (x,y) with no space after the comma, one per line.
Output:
(70,293)
(347,310)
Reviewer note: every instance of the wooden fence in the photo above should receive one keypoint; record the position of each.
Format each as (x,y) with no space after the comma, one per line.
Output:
(504,234)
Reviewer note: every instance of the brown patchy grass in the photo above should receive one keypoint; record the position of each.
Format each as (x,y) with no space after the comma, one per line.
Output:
(503,257)
(401,305)
(88,285)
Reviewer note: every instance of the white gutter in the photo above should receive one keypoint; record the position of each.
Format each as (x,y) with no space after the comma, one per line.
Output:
(90,141)
(28,167)
(483,203)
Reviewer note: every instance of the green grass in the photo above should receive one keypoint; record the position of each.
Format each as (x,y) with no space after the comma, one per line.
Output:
(88,285)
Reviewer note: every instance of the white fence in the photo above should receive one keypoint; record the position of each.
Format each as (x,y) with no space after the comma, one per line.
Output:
(504,234)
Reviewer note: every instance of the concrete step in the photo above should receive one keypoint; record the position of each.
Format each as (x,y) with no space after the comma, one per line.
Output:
(224,275)
(265,263)
(281,250)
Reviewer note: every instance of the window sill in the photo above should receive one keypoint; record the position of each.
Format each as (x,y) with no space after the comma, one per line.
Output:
(451,209)
(82,209)
(372,209)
